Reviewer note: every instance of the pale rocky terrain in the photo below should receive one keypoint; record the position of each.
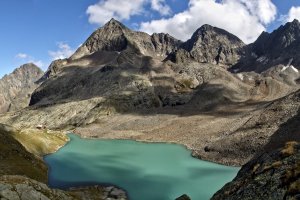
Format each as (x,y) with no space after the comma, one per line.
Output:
(17,87)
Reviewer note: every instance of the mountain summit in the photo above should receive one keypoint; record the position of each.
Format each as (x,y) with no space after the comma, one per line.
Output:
(16,88)
(212,45)
(281,47)
(114,36)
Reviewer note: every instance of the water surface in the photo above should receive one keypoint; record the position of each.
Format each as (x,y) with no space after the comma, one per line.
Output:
(147,171)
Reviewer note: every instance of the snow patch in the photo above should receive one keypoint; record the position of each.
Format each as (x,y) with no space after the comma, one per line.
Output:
(262,59)
(284,68)
(240,76)
(290,67)
(294,69)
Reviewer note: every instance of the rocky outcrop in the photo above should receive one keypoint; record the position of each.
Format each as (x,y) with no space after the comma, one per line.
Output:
(273,176)
(17,87)
(98,192)
(210,45)
(281,47)
(183,197)
(22,188)
(53,69)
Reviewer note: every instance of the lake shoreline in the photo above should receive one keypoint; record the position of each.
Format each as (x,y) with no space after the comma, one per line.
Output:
(119,167)
(194,152)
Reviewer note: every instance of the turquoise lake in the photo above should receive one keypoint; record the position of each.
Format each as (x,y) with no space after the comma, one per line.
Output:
(147,171)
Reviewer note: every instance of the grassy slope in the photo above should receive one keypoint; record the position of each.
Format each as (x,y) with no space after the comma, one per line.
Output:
(21,151)
(15,160)
(41,142)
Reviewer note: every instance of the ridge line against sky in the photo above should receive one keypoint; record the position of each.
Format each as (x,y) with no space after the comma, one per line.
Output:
(41,31)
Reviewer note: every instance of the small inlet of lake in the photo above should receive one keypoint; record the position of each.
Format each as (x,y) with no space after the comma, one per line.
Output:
(147,171)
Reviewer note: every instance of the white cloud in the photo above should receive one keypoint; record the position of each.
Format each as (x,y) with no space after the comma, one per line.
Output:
(244,18)
(25,58)
(104,10)
(264,10)
(21,55)
(161,7)
(294,13)
(64,51)
(38,63)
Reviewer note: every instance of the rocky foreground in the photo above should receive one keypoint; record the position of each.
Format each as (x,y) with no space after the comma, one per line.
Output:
(271,176)
(22,188)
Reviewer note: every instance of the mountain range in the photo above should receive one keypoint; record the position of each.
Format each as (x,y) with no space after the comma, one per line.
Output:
(227,101)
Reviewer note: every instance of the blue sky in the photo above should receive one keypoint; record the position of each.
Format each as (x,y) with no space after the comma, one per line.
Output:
(42,30)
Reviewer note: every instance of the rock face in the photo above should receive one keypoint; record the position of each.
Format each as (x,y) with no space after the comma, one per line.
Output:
(22,188)
(212,45)
(271,176)
(279,47)
(17,87)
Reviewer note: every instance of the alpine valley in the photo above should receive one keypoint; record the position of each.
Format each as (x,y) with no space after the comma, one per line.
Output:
(225,101)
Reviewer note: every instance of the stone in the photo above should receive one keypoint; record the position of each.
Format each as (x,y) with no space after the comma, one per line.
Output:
(9,194)
(183,197)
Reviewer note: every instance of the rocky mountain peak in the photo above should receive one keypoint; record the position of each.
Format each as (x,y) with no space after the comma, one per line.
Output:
(294,24)
(114,36)
(16,88)
(271,49)
(213,45)
(25,72)
(113,26)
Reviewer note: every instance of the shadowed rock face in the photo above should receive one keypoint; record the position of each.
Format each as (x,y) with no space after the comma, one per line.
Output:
(279,47)
(16,88)
(273,176)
